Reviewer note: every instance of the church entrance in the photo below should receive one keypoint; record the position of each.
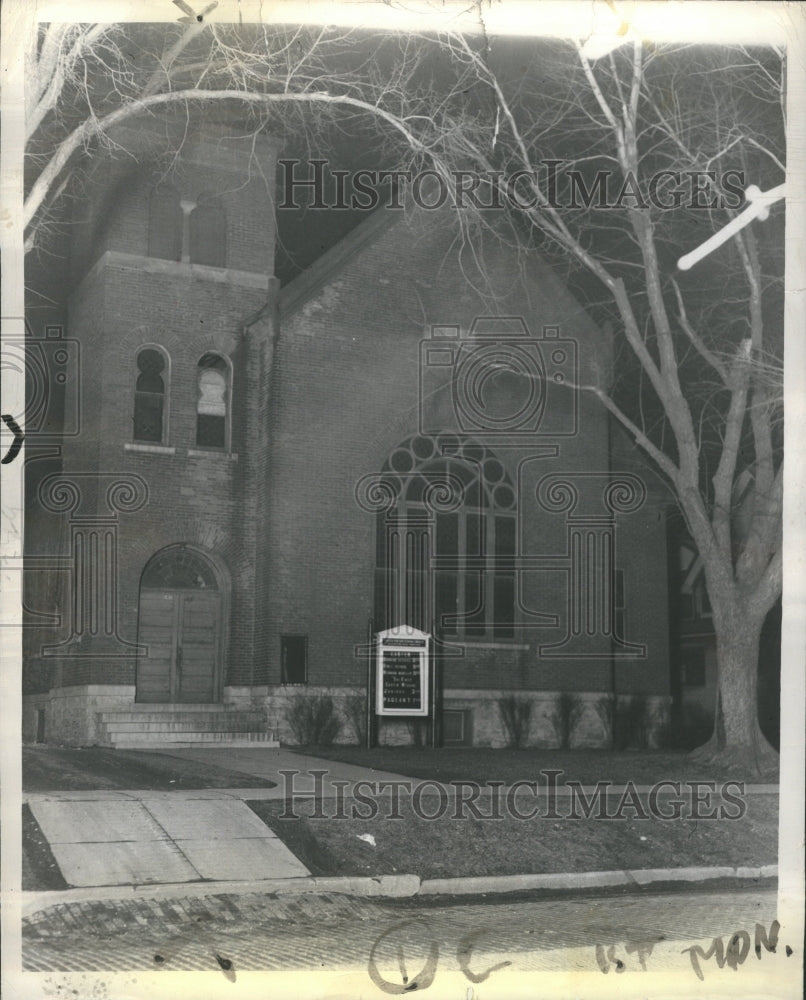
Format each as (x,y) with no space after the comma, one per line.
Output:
(181,626)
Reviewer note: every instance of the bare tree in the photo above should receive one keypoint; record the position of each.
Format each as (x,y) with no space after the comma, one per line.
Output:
(643,136)
(707,347)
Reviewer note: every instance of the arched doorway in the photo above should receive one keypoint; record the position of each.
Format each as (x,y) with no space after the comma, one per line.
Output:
(181,624)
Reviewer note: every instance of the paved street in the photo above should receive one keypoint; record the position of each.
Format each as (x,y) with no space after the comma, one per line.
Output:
(254,932)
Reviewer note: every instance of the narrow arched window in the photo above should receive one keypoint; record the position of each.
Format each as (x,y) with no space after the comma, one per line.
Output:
(165,223)
(149,396)
(212,407)
(208,232)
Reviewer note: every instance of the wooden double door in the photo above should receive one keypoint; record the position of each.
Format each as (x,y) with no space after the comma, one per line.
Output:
(182,630)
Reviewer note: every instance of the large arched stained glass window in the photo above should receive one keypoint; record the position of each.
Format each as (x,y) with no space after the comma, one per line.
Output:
(448,566)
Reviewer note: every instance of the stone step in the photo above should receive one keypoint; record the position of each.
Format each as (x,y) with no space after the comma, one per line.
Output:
(197,711)
(132,741)
(163,725)
(185,726)
(183,706)
(188,735)
(237,742)
(170,729)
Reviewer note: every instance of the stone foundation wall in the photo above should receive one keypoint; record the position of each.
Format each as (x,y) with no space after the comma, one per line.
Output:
(71,713)
(591,728)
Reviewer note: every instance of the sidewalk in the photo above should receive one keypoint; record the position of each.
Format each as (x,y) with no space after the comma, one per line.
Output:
(125,838)
(177,879)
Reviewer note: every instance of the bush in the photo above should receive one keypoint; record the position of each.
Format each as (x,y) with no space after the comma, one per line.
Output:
(355,711)
(568,708)
(632,721)
(605,708)
(418,731)
(312,719)
(516,714)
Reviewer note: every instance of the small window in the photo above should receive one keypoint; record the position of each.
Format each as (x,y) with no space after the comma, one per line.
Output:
(294,659)
(149,396)
(208,232)
(692,666)
(212,407)
(165,223)
(687,607)
(456,727)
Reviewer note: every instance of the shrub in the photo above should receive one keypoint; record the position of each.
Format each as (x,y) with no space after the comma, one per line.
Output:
(418,731)
(312,719)
(355,711)
(605,708)
(516,714)
(632,720)
(568,708)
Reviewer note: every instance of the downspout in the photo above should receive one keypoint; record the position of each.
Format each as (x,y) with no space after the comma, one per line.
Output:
(260,369)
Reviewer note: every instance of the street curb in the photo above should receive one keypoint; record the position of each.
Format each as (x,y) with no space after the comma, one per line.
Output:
(447,789)
(586,880)
(392,886)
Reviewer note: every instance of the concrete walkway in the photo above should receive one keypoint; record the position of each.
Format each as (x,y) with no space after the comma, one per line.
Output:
(131,838)
(124,838)
(100,842)
(269,763)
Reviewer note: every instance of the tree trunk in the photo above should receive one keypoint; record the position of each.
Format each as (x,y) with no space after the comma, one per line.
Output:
(737,734)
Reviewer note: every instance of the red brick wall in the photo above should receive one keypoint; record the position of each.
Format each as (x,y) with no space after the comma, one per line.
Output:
(346,393)
(313,416)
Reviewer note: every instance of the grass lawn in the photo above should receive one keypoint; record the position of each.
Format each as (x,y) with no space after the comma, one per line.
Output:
(449,846)
(71,769)
(482,764)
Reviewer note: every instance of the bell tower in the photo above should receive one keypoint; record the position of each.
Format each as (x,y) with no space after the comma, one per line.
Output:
(172,253)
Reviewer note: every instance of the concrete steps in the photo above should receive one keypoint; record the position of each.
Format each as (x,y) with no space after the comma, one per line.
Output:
(156,726)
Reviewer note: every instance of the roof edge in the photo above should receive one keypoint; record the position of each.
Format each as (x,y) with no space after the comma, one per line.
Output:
(309,281)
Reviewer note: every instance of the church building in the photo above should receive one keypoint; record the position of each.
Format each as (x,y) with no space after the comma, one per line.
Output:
(254,479)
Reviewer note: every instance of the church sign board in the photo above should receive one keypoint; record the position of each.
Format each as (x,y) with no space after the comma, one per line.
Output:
(402,672)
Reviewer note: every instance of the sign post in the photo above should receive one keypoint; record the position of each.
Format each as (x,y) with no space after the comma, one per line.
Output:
(402,672)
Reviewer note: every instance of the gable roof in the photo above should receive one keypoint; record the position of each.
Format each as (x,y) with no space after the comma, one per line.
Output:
(297,292)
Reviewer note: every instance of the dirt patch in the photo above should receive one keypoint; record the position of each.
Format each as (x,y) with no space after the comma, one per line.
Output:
(40,871)
(72,769)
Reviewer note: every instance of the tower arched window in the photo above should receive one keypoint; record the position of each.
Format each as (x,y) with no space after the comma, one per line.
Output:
(150,395)
(208,232)
(213,400)
(165,223)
